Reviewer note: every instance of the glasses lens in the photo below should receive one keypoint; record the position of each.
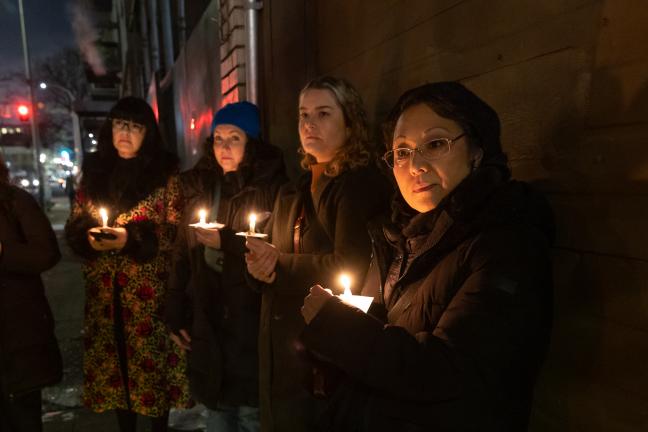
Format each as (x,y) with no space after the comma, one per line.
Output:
(402,156)
(436,148)
(389,158)
(126,125)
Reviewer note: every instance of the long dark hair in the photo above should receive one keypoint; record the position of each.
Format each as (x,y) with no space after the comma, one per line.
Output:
(138,111)
(149,169)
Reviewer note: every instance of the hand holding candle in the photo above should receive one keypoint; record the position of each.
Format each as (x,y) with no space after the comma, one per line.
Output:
(314,302)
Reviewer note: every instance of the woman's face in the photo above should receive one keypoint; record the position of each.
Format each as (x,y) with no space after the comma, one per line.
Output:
(322,131)
(424,183)
(127,137)
(229,146)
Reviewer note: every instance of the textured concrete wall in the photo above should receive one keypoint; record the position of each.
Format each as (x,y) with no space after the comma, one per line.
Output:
(569,79)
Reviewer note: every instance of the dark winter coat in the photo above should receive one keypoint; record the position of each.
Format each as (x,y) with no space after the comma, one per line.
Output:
(220,310)
(29,354)
(334,239)
(468,292)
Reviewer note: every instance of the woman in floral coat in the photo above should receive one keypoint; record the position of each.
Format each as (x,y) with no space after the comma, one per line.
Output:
(129,364)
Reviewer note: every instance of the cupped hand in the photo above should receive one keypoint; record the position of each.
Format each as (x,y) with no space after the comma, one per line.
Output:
(314,302)
(261,260)
(121,236)
(208,237)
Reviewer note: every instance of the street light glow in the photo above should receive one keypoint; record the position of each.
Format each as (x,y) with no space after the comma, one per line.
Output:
(90,135)
(42,85)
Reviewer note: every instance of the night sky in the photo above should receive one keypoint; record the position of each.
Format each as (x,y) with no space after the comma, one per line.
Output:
(48,30)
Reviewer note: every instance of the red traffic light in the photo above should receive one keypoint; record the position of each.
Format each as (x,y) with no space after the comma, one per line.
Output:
(23,112)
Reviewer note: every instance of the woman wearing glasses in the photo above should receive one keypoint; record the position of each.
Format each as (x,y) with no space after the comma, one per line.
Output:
(462,268)
(318,231)
(129,364)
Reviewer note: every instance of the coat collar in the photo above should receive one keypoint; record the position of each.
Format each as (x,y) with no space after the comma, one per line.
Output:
(323,185)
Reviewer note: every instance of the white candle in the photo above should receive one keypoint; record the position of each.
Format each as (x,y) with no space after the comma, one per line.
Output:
(104,217)
(253,219)
(202,214)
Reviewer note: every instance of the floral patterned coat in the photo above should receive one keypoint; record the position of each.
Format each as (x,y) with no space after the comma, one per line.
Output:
(134,283)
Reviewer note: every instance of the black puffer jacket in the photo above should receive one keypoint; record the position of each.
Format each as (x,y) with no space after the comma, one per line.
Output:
(468,296)
(220,310)
(29,354)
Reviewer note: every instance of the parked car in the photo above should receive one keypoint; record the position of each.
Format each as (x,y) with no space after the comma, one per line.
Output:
(28,180)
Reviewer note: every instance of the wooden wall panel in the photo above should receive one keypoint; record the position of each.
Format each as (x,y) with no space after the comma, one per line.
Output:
(442,49)
(620,94)
(623,36)
(607,224)
(286,49)
(594,378)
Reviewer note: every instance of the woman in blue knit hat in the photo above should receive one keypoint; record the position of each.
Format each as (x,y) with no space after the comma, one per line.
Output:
(211,311)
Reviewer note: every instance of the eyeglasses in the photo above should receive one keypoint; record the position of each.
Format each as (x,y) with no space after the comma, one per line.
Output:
(123,125)
(430,150)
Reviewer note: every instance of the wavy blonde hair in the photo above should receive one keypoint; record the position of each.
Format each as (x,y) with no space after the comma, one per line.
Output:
(357,151)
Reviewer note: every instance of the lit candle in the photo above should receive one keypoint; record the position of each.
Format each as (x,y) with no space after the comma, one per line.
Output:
(251,231)
(361,302)
(104,217)
(202,214)
(253,219)
(345,281)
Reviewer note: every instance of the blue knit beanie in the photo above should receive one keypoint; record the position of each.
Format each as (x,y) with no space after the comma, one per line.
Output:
(244,115)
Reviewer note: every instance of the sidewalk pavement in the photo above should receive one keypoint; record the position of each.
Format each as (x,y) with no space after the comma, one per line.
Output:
(62,409)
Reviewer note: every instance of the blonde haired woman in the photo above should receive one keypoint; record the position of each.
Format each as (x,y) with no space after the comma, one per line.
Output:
(318,230)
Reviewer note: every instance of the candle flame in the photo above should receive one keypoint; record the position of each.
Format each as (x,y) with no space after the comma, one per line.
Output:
(104,216)
(202,214)
(253,219)
(345,281)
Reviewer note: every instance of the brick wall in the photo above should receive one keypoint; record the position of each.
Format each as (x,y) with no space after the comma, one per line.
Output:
(232,51)
(569,79)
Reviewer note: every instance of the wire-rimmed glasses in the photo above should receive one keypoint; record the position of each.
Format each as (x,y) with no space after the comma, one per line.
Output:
(429,150)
